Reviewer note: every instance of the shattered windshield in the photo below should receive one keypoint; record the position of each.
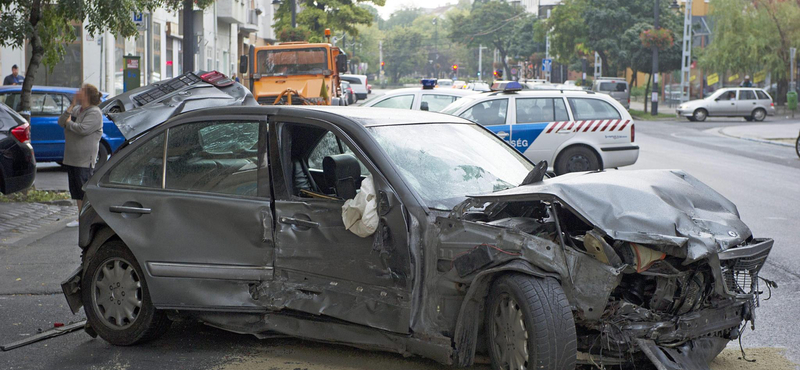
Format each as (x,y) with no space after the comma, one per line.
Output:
(446,162)
(291,62)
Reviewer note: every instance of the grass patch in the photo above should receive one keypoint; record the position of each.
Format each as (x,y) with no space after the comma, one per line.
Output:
(641,115)
(35,196)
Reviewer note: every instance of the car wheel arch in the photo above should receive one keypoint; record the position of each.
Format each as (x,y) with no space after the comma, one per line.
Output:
(470,316)
(573,144)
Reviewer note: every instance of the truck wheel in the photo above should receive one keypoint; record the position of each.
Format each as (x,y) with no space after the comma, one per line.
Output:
(576,159)
(759,114)
(530,325)
(116,300)
(700,115)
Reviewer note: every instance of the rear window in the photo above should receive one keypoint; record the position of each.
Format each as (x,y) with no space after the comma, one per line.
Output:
(584,109)
(352,80)
(437,102)
(762,95)
(614,86)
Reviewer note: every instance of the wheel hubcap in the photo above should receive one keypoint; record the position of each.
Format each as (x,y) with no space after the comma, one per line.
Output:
(759,115)
(510,338)
(700,115)
(117,293)
(578,163)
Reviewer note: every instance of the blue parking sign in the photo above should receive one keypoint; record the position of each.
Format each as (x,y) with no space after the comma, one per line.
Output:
(547,65)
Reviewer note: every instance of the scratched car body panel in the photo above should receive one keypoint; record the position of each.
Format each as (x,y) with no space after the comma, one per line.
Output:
(234,216)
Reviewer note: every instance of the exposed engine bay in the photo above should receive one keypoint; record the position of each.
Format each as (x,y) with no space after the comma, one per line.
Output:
(663,301)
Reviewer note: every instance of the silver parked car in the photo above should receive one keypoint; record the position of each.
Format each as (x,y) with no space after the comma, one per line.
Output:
(751,103)
(616,87)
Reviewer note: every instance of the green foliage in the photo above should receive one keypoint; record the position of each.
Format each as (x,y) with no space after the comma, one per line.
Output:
(317,15)
(402,18)
(491,23)
(612,28)
(35,196)
(294,34)
(404,52)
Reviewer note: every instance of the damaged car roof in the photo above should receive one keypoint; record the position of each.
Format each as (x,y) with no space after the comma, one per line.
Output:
(669,209)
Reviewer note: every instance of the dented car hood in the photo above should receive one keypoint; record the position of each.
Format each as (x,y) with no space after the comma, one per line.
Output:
(667,209)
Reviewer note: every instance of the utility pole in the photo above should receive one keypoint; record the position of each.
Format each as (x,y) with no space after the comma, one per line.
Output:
(480,61)
(293,4)
(149,49)
(654,99)
(792,54)
(686,58)
(380,57)
(189,41)
(598,66)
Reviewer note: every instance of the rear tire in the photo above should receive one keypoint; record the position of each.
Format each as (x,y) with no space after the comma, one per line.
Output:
(759,114)
(700,115)
(690,118)
(797,146)
(529,324)
(102,156)
(116,300)
(576,159)
(748,118)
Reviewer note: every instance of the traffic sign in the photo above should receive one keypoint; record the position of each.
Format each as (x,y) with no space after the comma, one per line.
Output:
(138,18)
(547,65)
(513,71)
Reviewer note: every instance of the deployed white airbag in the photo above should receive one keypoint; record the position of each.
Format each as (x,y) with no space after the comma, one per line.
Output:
(360,214)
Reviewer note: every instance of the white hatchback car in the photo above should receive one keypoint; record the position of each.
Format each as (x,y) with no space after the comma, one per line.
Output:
(418,98)
(571,130)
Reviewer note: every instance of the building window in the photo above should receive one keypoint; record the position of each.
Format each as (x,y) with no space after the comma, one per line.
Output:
(180,58)
(139,51)
(119,52)
(209,65)
(156,51)
(169,58)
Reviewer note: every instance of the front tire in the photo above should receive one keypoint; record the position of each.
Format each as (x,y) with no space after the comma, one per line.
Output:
(116,300)
(700,115)
(576,159)
(529,324)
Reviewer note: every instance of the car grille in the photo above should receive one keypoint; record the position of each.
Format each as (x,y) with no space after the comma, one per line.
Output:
(741,273)
(163,89)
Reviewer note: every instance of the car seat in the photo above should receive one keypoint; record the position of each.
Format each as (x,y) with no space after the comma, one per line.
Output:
(343,173)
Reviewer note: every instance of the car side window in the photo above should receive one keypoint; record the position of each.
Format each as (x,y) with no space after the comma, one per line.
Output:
(585,109)
(401,102)
(437,102)
(533,110)
(330,145)
(213,157)
(488,113)
(52,105)
(37,104)
(747,95)
(11,100)
(762,95)
(141,168)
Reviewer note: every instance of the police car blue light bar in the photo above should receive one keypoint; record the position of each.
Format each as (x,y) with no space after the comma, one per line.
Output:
(428,83)
(506,86)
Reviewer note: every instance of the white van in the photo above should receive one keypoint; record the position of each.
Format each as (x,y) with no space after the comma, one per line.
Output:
(358,83)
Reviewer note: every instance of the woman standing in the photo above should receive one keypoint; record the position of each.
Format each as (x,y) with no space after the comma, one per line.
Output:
(83,127)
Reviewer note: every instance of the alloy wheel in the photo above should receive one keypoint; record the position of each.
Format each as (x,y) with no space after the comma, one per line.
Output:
(510,337)
(759,115)
(117,294)
(578,163)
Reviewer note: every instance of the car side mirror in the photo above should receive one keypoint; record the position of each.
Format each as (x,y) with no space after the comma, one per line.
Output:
(423,106)
(341,63)
(243,62)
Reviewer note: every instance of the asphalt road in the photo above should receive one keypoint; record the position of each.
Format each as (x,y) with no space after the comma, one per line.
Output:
(762,179)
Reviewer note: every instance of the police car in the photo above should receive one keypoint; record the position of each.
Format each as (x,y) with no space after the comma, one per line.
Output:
(571,130)
(429,97)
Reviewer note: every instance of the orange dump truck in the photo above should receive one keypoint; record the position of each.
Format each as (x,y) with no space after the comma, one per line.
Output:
(295,73)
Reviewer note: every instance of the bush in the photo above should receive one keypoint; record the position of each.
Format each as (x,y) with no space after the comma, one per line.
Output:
(637,92)
(408,80)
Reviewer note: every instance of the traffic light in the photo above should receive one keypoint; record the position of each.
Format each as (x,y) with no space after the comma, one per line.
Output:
(455,67)
(498,74)
(383,64)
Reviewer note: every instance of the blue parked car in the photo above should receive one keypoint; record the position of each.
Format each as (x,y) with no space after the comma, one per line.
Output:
(47,137)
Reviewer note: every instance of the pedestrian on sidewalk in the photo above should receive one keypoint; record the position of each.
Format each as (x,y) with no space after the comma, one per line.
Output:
(14,78)
(83,127)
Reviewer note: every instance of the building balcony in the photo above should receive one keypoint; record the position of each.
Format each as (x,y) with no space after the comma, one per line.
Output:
(232,11)
(252,22)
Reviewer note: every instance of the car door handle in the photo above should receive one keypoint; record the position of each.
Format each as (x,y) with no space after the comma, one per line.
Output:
(299,222)
(130,209)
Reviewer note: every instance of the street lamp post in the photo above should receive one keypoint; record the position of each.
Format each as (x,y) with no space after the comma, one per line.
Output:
(292,5)
(654,100)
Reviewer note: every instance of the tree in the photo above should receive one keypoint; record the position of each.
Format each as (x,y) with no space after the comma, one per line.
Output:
(491,23)
(403,52)
(317,15)
(47,25)
(402,18)
(751,36)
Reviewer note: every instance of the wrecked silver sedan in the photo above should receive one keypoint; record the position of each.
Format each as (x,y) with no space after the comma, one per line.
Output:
(243,218)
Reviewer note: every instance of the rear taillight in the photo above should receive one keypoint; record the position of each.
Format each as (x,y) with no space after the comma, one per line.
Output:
(633,132)
(22,133)
(217,79)
(771,104)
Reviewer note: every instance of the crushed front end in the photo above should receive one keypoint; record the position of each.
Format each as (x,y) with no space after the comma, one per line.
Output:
(658,267)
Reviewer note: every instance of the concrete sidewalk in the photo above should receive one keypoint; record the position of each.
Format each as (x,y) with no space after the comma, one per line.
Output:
(784,134)
(663,108)
(22,223)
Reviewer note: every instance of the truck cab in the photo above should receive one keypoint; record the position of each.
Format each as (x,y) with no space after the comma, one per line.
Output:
(295,73)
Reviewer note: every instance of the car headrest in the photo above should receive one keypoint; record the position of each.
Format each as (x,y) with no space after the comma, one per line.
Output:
(342,172)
